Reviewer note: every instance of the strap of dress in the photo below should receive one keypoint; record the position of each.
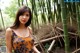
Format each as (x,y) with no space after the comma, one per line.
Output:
(30,30)
(31,35)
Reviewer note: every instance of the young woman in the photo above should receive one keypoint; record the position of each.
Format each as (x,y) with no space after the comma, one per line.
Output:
(19,36)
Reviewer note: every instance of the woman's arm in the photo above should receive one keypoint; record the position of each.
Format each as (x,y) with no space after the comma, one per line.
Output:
(8,40)
(34,48)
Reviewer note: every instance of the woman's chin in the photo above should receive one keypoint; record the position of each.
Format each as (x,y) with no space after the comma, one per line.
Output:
(23,23)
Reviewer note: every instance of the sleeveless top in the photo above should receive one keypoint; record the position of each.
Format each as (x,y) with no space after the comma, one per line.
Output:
(22,44)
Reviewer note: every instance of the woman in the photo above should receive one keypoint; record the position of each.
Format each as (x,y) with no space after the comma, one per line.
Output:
(18,36)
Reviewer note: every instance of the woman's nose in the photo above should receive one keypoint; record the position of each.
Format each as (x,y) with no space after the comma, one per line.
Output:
(24,16)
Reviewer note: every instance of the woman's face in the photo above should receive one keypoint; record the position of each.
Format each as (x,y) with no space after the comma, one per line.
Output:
(24,18)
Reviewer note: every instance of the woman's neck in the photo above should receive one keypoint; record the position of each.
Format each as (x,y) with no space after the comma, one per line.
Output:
(22,27)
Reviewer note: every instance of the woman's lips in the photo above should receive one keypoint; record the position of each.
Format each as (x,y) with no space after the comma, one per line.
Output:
(24,20)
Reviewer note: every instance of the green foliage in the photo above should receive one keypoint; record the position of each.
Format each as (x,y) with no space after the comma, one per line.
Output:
(46,46)
(11,10)
(9,13)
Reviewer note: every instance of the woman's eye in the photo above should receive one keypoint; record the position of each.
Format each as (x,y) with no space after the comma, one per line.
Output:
(27,15)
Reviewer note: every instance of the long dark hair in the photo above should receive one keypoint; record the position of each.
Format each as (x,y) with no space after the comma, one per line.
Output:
(20,12)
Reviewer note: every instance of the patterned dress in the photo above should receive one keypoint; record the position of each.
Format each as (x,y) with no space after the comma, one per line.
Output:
(22,44)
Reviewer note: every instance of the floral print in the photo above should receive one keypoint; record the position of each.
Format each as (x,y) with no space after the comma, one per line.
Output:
(22,44)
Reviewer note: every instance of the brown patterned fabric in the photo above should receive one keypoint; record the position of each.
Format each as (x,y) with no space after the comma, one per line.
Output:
(22,44)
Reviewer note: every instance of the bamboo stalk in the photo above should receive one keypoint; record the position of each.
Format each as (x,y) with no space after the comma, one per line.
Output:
(26,3)
(2,19)
(22,2)
(76,50)
(57,33)
(76,44)
(78,17)
(45,40)
(49,49)
(68,32)
(64,21)
(39,43)
(49,10)
(19,3)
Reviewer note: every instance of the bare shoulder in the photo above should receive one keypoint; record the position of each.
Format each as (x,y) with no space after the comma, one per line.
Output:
(8,30)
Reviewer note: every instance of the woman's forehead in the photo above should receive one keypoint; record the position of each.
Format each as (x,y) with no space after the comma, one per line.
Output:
(27,12)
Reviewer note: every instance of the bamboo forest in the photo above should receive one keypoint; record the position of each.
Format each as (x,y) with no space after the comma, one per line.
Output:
(55,24)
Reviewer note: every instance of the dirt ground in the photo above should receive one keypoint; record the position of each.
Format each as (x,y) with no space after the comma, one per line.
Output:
(45,32)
